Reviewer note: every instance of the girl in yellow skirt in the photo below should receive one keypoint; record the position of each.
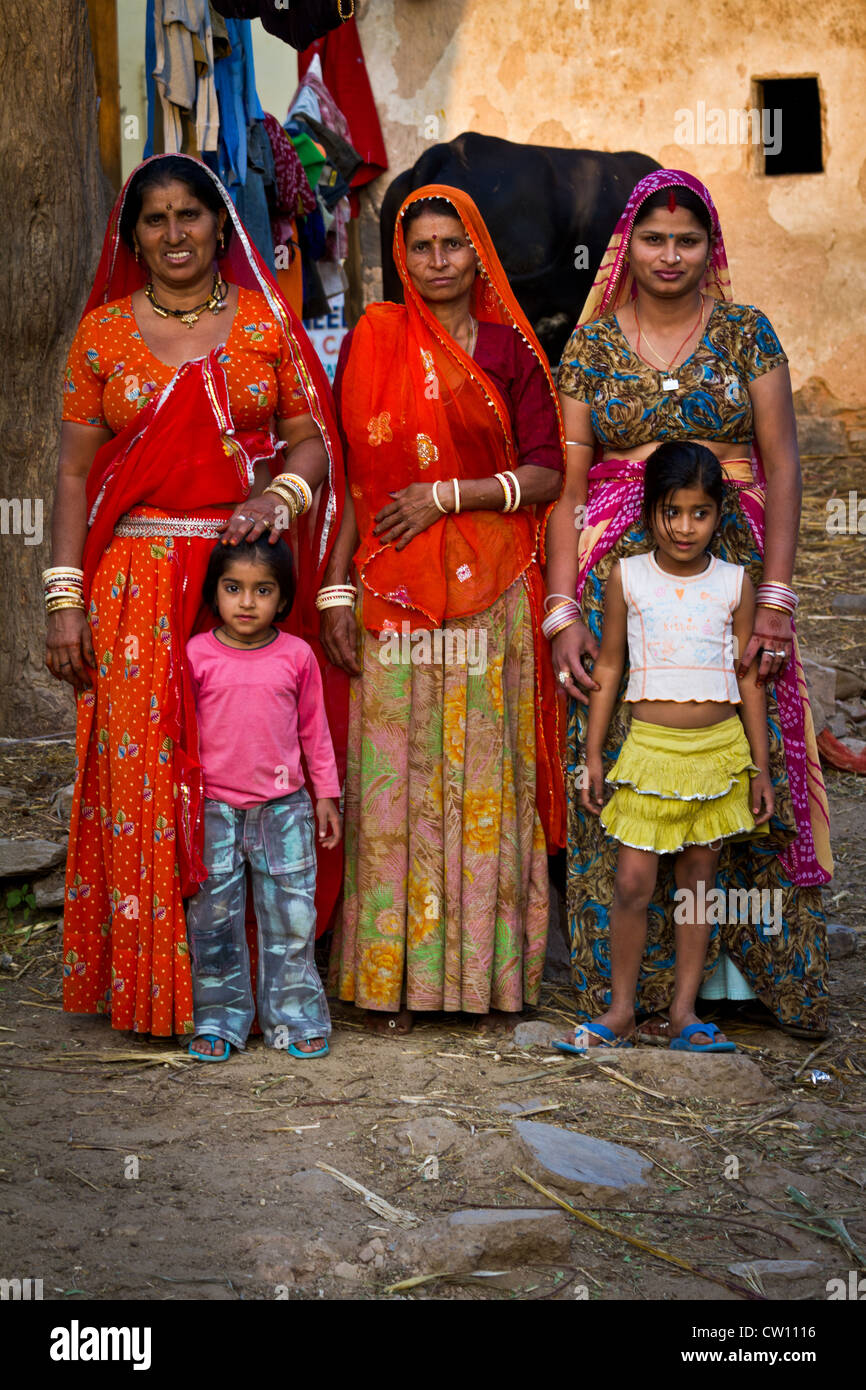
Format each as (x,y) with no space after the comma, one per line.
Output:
(693,771)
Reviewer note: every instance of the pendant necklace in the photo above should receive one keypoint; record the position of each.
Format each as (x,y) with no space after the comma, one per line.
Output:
(669,382)
(215,302)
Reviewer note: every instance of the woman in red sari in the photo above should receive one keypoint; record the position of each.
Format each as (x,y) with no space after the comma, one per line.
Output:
(454,784)
(189,384)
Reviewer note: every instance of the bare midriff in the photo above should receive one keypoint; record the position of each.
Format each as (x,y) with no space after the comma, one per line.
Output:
(682,714)
(725,453)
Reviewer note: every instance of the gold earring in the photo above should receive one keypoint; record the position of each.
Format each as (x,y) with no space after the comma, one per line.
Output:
(137,251)
(221,240)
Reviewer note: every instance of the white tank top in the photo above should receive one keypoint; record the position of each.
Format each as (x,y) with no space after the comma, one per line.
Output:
(680,631)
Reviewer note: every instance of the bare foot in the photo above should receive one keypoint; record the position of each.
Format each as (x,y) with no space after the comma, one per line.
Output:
(680,1021)
(622,1027)
(493,1022)
(655,1030)
(378,1022)
(209,1046)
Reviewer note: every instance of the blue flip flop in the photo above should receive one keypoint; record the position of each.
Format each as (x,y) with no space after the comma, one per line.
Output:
(684,1042)
(307,1056)
(213,1039)
(606,1038)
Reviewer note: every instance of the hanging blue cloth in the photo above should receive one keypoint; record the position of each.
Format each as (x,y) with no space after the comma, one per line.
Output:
(149,65)
(239,104)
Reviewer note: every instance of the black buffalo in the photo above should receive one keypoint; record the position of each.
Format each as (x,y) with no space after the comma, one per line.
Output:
(549,212)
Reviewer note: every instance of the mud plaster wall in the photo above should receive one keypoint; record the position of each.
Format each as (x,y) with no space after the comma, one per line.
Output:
(612,76)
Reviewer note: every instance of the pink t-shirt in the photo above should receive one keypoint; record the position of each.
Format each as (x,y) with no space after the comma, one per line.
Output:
(256,710)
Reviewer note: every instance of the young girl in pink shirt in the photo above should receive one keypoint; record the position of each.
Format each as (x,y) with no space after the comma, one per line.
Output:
(259,704)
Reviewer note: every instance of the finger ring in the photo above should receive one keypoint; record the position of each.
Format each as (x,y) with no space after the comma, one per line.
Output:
(563,676)
(243,518)
(783,654)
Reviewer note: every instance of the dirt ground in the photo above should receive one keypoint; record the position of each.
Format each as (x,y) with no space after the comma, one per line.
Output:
(129,1171)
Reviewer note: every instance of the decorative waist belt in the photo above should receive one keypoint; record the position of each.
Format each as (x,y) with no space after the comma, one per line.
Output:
(205,527)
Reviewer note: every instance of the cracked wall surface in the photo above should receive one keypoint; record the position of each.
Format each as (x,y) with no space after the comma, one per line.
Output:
(600,75)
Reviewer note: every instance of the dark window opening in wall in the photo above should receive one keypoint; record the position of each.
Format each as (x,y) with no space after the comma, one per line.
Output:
(791,114)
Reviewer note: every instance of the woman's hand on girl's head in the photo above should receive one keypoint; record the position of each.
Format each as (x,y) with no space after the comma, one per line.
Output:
(591,790)
(411,512)
(763,797)
(567,649)
(339,636)
(69,648)
(252,518)
(328,818)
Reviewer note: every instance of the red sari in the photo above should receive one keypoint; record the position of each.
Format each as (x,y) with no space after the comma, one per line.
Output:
(136,824)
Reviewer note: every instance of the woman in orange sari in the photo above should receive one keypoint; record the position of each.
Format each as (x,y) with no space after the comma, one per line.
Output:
(454,784)
(187,380)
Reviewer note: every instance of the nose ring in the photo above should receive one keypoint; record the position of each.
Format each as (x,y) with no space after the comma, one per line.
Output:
(677,258)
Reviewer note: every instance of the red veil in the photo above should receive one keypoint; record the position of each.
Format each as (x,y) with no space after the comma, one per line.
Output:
(183,453)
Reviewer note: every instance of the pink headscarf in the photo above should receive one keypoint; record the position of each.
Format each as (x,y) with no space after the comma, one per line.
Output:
(614,283)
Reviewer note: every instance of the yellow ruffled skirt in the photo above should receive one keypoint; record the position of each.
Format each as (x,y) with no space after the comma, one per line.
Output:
(679,787)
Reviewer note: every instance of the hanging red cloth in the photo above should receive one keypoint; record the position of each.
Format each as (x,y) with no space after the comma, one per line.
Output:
(344,73)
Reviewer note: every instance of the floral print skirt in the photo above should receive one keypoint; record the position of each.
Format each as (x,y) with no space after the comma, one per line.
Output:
(446,888)
(125,948)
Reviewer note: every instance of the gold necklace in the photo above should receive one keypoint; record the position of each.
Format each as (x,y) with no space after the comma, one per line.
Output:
(669,383)
(214,302)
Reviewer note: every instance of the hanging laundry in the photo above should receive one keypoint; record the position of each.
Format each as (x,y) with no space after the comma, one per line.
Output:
(313,99)
(344,74)
(239,104)
(251,198)
(180,66)
(292,187)
(296,22)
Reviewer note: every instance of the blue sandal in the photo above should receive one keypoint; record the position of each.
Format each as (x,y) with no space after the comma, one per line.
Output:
(606,1038)
(213,1039)
(302,1056)
(684,1042)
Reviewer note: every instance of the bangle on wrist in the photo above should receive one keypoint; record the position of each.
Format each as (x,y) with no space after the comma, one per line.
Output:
(512,478)
(456,487)
(506,488)
(436,501)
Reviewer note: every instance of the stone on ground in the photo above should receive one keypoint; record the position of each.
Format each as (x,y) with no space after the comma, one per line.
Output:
(849,603)
(537,1033)
(487,1239)
(841,940)
(577,1162)
(61,802)
(26,857)
(431,1134)
(725,1076)
(50,891)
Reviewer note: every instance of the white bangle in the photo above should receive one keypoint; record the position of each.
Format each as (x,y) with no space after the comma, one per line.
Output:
(506,488)
(513,476)
(436,496)
(456,496)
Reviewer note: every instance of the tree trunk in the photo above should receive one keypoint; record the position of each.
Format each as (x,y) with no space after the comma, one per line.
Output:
(54,204)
